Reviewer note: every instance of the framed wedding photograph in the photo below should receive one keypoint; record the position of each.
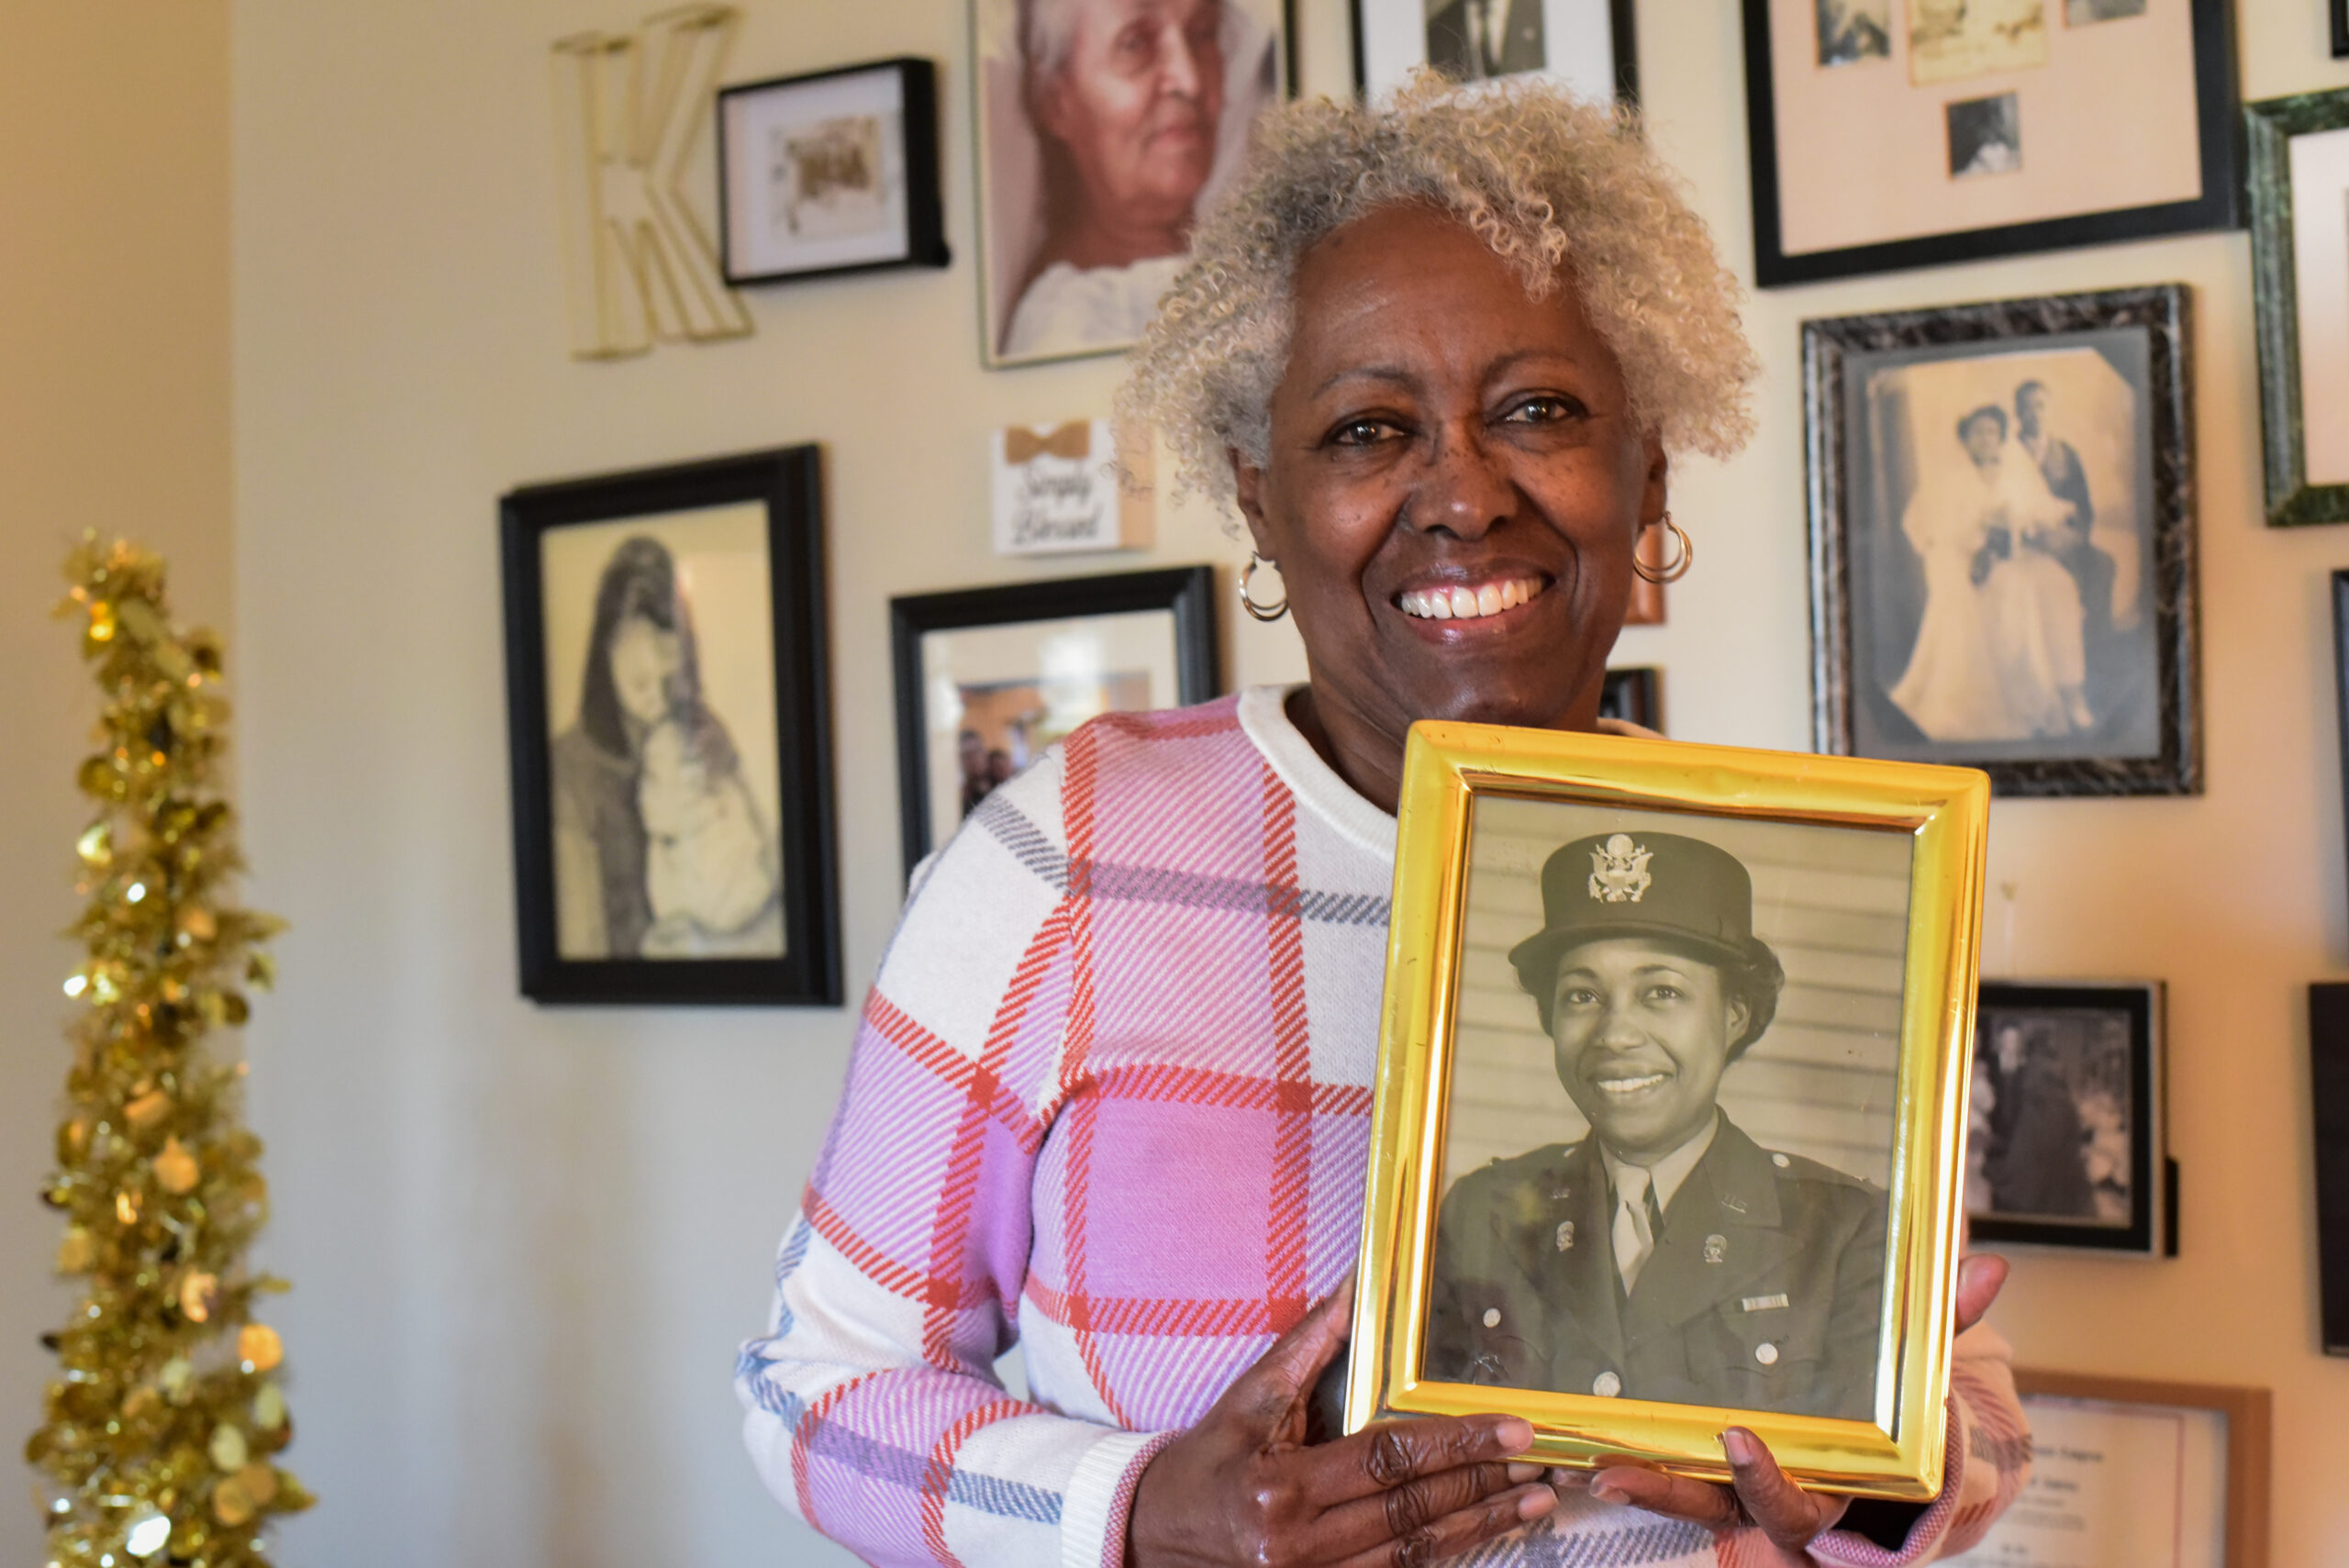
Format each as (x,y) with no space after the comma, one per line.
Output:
(668,713)
(2128,1472)
(1892,134)
(1671,1102)
(2066,1142)
(2002,540)
(2299,263)
(1590,46)
(2328,1097)
(830,172)
(1077,241)
(988,678)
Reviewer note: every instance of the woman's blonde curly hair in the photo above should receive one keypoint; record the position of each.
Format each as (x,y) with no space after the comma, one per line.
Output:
(1546,180)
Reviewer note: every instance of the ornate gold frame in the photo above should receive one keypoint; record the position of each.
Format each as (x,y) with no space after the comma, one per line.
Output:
(1946,812)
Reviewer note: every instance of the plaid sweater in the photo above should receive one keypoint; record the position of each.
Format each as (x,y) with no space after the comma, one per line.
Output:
(1110,1100)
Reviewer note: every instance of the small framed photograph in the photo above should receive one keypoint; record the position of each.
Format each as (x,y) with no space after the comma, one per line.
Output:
(1671,1093)
(2339,10)
(2066,1144)
(2299,262)
(832,172)
(2128,1472)
(1891,134)
(2328,1092)
(1588,45)
(988,677)
(1083,220)
(1634,695)
(2002,540)
(668,713)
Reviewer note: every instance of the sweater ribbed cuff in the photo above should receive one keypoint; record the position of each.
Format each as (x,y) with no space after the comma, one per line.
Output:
(1101,1498)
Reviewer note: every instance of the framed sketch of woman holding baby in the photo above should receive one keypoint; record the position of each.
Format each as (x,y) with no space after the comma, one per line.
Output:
(666,699)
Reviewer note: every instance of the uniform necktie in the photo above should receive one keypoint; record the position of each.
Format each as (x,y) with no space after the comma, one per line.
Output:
(1638,1220)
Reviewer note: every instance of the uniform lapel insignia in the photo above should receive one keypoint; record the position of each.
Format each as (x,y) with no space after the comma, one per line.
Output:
(1565,1236)
(1715,1249)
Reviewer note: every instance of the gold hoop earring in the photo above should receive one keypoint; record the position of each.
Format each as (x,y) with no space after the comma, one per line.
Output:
(1680,562)
(1248,603)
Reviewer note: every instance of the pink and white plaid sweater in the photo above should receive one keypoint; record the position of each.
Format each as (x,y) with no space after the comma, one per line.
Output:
(1110,1100)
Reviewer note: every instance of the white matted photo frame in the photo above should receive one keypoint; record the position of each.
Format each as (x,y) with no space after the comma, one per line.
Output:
(2300,256)
(2067,1140)
(830,172)
(1087,192)
(1891,134)
(988,678)
(1671,1102)
(2002,540)
(2128,1472)
(1591,46)
(670,731)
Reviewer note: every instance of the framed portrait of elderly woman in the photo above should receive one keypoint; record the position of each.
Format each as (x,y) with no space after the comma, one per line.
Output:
(1891,134)
(988,678)
(1671,1102)
(2002,540)
(2065,1143)
(1105,128)
(1589,45)
(668,715)
(2300,258)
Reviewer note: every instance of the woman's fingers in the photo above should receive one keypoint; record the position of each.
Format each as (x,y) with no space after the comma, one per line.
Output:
(1789,1516)
(1267,1394)
(1459,1531)
(1674,1496)
(1406,1510)
(1395,1453)
(1979,1280)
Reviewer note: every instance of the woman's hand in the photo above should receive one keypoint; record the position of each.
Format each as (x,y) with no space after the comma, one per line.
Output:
(1762,1494)
(1242,1487)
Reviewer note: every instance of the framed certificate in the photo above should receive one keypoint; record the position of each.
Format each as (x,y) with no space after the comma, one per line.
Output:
(2126,1473)
(1671,1099)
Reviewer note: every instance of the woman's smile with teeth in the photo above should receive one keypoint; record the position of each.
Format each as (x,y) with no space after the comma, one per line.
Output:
(1630,1085)
(1463,602)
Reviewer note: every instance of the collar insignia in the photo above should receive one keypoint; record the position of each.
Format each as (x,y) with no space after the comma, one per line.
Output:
(1619,870)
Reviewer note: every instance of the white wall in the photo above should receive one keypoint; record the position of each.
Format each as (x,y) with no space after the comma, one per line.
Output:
(113,415)
(525,1242)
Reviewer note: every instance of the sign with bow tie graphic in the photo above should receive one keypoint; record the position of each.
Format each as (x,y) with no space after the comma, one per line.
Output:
(1058,491)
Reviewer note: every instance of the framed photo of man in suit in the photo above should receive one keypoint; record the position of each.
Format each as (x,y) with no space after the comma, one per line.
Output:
(1588,44)
(1671,1097)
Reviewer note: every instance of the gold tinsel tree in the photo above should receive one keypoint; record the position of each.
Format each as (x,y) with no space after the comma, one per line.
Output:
(165,1421)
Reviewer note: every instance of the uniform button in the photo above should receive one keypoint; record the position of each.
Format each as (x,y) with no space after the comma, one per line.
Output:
(1607,1385)
(1492,1316)
(1780,1160)
(1767,1353)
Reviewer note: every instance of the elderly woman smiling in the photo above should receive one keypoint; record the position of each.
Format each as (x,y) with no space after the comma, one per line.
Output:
(1110,1095)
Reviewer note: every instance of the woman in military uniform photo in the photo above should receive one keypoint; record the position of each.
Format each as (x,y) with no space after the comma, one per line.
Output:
(1667,1256)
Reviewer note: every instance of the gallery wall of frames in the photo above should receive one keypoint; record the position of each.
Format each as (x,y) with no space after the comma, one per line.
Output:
(831,504)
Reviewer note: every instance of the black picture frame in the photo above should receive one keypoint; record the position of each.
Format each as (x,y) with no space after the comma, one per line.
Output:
(2339,14)
(787,483)
(2269,126)
(2328,1097)
(1634,694)
(1187,592)
(1853,710)
(1622,22)
(2149,1228)
(924,214)
(2218,144)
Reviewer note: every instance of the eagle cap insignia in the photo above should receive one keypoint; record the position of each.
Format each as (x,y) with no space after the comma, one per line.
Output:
(1619,870)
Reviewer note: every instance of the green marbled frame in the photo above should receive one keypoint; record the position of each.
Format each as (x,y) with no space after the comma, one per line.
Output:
(2269,127)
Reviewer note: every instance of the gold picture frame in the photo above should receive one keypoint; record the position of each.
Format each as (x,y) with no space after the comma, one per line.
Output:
(1460,781)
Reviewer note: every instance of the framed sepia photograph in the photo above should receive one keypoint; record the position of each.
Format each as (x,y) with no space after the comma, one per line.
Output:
(2066,1141)
(2002,540)
(1589,45)
(988,677)
(1892,134)
(1105,130)
(832,172)
(668,713)
(2329,1096)
(2128,1472)
(2299,260)
(1671,1102)
(1633,694)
